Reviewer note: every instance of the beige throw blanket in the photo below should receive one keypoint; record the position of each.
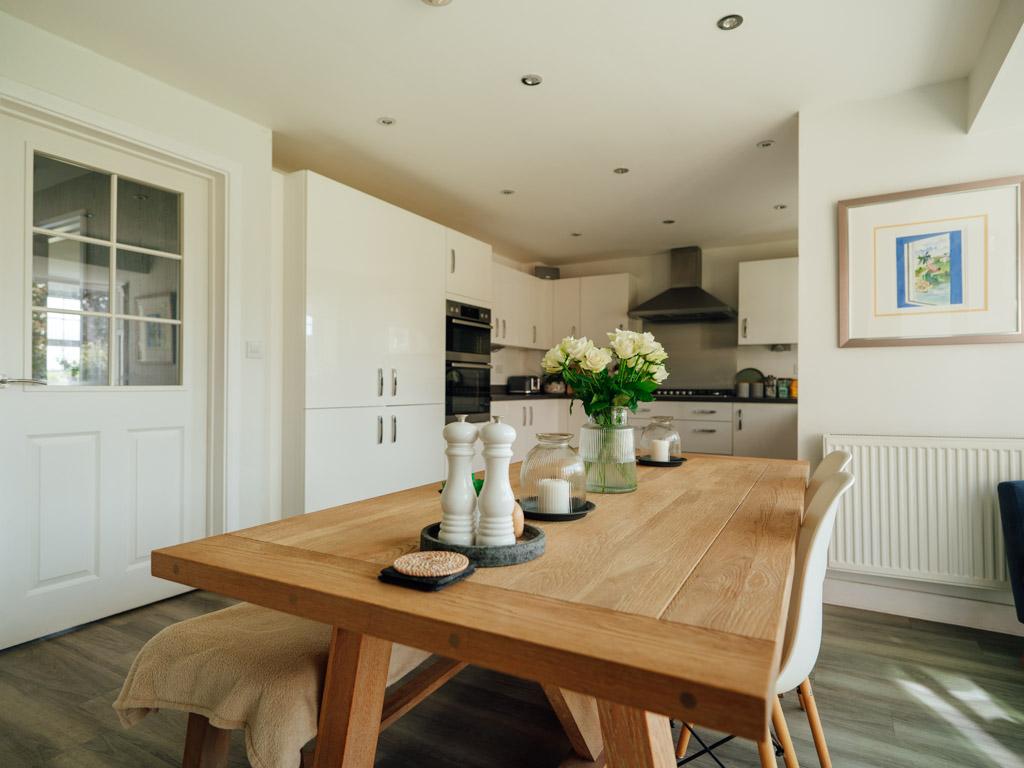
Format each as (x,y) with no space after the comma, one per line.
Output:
(243,667)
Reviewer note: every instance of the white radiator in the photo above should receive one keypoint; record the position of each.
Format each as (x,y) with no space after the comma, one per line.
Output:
(925,508)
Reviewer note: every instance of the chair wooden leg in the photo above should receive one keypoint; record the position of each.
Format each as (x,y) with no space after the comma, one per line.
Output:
(634,738)
(684,739)
(578,715)
(205,745)
(767,753)
(782,732)
(807,695)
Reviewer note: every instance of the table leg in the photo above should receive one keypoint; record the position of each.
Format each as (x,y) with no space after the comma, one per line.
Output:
(634,738)
(578,716)
(350,710)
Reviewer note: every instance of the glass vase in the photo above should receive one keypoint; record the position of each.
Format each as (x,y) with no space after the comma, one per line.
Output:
(608,453)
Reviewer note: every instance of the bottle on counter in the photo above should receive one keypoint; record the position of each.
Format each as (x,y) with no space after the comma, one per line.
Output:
(783,389)
(793,388)
(770,387)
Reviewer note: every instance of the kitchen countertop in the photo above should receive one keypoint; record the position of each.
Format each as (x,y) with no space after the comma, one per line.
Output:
(499,396)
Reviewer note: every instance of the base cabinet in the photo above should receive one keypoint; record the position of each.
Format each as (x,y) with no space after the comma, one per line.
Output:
(765,430)
(528,418)
(359,453)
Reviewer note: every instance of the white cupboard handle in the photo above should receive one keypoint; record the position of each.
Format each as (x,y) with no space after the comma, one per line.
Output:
(706,431)
(743,332)
(380,382)
(704,410)
(531,415)
(394,382)
(524,415)
(453,261)
(380,430)
(504,330)
(739,420)
(394,429)
(573,332)
(535,334)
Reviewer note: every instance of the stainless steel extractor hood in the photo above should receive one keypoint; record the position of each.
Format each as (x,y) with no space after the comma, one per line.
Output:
(685,301)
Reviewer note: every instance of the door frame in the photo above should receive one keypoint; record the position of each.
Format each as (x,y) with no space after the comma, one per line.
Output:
(223,388)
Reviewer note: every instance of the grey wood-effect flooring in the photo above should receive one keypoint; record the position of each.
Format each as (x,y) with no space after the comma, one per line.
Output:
(893,693)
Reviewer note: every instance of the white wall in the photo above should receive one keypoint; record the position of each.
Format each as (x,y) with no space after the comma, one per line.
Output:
(912,140)
(35,58)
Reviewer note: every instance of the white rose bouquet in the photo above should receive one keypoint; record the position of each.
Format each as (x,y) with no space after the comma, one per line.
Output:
(623,374)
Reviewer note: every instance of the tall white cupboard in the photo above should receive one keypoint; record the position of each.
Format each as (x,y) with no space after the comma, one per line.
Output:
(364,323)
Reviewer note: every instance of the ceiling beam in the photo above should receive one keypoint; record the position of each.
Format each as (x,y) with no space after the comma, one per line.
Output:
(996,84)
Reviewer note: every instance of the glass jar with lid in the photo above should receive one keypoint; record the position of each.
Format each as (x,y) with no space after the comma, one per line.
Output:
(553,479)
(659,442)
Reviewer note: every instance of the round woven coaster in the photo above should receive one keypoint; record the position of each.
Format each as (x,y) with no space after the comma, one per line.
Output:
(431,564)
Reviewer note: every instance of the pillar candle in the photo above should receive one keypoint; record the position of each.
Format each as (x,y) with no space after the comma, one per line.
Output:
(553,497)
(659,450)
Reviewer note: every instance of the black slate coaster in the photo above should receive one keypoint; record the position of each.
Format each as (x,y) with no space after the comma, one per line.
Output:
(530,512)
(423,583)
(652,463)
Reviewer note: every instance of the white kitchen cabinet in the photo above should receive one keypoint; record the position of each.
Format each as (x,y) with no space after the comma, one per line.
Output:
(364,345)
(468,265)
(766,430)
(565,308)
(360,453)
(768,302)
(372,299)
(529,418)
(703,427)
(521,311)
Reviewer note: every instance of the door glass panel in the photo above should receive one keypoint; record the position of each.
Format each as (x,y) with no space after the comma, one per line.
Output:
(69,349)
(68,274)
(148,217)
(70,198)
(147,285)
(149,353)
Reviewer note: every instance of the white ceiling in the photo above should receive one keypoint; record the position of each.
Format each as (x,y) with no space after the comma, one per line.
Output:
(652,85)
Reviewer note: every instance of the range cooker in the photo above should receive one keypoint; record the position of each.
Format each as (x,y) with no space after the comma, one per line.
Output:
(706,394)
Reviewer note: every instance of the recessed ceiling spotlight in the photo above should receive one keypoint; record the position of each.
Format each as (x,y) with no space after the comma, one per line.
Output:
(437,3)
(766,144)
(668,221)
(780,207)
(385,121)
(577,234)
(508,191)
(620,171)
(730,22)
(531,80)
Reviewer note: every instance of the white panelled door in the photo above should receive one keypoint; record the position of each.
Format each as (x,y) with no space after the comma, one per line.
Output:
(103,298)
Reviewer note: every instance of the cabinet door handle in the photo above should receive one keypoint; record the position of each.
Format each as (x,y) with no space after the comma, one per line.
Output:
(453,261)
(380,382)
(524,415)
(743,331)
(739,420)
(394,382)
(704,410)
(380,430)
(394,429)
(573,332)
(535,334)
(531,415)
(705,431)
(504,330)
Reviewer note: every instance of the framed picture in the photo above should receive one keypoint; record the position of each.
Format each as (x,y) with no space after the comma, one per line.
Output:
(156,340)
(932,266)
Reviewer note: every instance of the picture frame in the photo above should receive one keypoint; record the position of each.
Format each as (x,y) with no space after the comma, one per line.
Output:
(156,340)
(940,265)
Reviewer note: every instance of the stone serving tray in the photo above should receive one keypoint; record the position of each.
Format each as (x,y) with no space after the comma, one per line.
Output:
(529,547)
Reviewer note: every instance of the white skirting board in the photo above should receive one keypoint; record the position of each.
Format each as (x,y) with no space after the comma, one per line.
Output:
(902,599)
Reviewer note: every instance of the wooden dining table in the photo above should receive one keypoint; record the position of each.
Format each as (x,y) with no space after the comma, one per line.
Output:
(667,602)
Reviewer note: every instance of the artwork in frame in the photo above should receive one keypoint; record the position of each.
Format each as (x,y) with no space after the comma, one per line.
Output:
(156,340)
(932,266)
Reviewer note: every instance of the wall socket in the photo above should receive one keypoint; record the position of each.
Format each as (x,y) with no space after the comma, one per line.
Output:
(254,350)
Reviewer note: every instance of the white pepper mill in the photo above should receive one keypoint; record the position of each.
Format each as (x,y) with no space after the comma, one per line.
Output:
(458,499)
(496,499)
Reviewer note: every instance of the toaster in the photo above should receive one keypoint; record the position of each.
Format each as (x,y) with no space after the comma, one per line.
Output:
(523,385)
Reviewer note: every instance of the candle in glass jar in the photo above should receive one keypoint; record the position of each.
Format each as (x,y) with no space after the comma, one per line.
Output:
(553,497)
(659,450)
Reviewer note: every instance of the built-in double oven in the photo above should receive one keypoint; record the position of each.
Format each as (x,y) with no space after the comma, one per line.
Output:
(467,381)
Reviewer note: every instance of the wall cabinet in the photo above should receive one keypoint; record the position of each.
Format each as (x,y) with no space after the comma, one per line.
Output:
(364,345)
(768,302)
(521,309)
(468,265)
(592,306)
(767,430)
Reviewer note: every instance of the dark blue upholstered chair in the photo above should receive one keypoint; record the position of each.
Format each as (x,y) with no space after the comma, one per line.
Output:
(1011,509)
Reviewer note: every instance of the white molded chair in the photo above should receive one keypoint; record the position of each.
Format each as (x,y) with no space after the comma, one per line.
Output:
(803,628)
(837,461)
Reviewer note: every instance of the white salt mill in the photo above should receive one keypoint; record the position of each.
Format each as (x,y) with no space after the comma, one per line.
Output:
(458,499)
(496,498)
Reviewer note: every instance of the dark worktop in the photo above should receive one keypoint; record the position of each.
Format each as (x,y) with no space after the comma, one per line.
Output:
(500,395)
